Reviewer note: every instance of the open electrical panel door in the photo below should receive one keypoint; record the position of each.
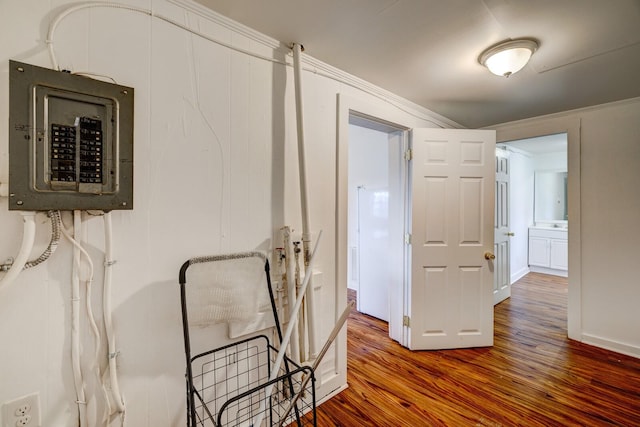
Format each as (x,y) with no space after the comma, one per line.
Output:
(70,141)
(452,221)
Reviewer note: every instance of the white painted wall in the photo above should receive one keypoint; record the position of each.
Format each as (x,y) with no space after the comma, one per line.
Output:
(604,239)
(215,172)
(369,167)
(551,161)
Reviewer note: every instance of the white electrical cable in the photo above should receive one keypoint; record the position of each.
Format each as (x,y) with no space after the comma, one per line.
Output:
(75,327)
(108,322)
(28,237)
(293,317)
(56,21)
(92,321)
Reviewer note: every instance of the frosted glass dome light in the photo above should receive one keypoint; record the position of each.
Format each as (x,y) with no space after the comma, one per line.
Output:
(508,57)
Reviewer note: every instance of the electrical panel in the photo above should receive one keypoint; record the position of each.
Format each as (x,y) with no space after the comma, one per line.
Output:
(70,141)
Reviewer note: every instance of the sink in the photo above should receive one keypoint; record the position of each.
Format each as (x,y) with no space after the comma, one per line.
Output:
(551,226)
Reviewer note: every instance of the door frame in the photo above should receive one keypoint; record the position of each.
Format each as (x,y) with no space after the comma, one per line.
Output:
(536,127)
(347,106)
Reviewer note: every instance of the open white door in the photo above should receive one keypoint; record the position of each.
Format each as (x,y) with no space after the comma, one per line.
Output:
(452,199)
(502,236)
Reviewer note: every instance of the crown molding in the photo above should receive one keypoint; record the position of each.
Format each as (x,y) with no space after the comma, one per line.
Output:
(223,21)
(316,66)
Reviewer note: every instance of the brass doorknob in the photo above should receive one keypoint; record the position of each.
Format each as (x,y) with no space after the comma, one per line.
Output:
(489,255)
(510,233)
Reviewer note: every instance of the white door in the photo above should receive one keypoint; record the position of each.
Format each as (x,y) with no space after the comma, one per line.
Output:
(502,234)
(452,199)
(375,270)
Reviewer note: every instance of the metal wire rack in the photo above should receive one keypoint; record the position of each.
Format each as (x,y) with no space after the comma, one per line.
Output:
(227,386)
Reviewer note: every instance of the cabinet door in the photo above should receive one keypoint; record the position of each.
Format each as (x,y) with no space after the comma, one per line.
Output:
(559,250)
(539,251)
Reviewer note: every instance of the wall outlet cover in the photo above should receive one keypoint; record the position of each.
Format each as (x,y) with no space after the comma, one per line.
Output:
(23,411)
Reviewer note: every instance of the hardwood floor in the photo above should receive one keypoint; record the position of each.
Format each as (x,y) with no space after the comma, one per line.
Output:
(532,376)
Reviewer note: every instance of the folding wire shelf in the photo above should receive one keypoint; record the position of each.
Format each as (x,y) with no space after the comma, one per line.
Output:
(227,386)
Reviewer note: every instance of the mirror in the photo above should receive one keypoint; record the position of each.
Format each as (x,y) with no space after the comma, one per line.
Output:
(550,196)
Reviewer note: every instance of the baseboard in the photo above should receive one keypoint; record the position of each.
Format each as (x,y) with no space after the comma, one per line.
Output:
(607,344)
(332,394)
(519,274)
(552,271)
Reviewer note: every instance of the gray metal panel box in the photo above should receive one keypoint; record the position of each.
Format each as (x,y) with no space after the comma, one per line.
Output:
(70,141)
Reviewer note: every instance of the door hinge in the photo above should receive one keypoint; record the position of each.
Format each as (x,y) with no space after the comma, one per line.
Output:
(406,320)
(408,155)
(407,238)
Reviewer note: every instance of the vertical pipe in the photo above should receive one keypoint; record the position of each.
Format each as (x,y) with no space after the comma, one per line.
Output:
(75,325)
(275,367)
(304,201)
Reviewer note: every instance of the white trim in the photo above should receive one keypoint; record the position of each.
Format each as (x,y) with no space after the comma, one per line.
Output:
(236,27)
(318,67)
(332,394)
(551,271)
(618,347)
(519,274)
(346,106)
(562,114)
(386,96)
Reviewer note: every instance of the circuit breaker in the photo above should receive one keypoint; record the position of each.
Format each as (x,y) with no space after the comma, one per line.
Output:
(70,141)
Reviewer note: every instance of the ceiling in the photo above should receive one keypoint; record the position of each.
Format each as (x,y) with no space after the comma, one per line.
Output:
(426,50)
(556,143)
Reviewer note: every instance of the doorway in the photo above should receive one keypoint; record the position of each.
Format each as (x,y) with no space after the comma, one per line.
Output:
(376,213)
(537,194)
(571,127)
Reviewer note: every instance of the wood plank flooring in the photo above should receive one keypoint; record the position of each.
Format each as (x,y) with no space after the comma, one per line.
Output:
(532,376)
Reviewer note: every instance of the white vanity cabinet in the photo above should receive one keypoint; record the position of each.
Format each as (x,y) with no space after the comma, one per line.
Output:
(548,250)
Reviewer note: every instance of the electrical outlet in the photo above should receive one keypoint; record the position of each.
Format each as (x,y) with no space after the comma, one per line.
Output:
(22,412)
(23,420)
(23,409)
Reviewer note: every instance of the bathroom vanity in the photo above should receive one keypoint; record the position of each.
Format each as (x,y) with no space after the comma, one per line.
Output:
(548,238)
(548,250)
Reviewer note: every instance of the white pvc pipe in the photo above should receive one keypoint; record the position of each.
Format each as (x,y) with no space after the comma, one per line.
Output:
(75,325)
(301,317)
(28,237)
(108,323)
(304,201)
(332,336)
(275,369)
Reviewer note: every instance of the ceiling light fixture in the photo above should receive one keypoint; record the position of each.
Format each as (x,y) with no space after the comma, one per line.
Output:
(508,57)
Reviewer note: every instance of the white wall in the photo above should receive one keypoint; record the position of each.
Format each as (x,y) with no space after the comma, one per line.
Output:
(215,172)
(551,161)
(603,240)
(369,167)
